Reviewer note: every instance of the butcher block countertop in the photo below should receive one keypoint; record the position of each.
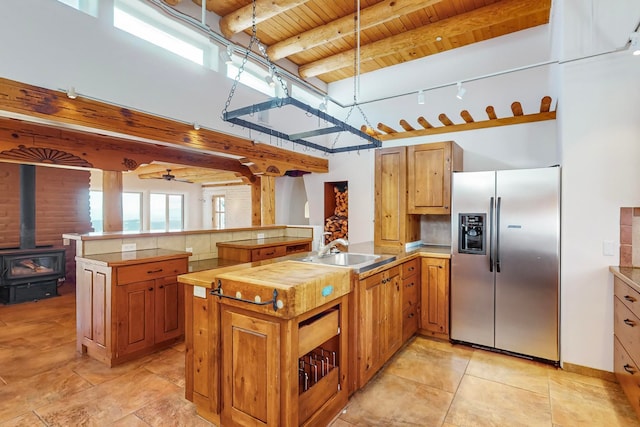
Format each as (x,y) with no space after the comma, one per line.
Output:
(629,275)
(293,287)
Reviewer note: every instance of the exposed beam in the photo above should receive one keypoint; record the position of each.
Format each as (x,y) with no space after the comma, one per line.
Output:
(99,117)
(242,18)
(476,20)
(369,17)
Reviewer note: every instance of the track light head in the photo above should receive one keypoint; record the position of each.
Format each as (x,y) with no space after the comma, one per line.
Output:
(461,91)
(421,97)
(71,93)
(634,43)
(323,105)
(196,126)
(270,81)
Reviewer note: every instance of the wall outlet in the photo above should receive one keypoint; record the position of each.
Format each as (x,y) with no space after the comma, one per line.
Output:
(189,250)
(260,235)
(127,247)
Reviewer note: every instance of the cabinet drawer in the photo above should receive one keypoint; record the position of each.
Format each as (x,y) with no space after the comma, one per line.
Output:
(628,374)
(626,327)
(316,331)
(267,253)
(410,292)
(629,297)
(410,268)
(150,270)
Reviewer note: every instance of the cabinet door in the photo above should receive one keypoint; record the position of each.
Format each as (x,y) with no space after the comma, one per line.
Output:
(169,309)
(393,227)
(392,315)
(135,316)
(251,367)
(434,315)
(371,321)
(429,178)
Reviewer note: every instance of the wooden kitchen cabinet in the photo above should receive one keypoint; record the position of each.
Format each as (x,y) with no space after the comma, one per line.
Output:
(128,309)
(410,277)
(626,365)
(252,250)
(434,297)
(393,227)
(429,168)
(380,321)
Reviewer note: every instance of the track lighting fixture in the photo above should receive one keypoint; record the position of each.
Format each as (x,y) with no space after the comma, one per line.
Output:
(421,97)
(227,55)
(323,104)
(269,80)
(634,41)
(71,93)
(196,126)
(461,91)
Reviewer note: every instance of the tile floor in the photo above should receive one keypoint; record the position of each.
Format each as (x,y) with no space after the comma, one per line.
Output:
(44,382)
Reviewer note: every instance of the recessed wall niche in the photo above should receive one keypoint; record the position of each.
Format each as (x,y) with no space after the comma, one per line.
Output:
(336,210)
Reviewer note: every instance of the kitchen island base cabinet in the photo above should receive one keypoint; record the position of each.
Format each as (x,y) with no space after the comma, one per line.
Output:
(434,296)
(128,310)
(283,372)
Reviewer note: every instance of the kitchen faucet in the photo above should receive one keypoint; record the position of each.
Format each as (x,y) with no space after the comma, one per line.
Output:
(326,249)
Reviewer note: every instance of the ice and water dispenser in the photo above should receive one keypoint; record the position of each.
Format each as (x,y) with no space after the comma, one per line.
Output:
(471,236)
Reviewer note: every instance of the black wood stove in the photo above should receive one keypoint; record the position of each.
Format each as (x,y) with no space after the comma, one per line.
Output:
(30,273)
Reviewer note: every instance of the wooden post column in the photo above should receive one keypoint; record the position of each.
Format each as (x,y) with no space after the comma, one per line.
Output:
(112,200)
(268,199)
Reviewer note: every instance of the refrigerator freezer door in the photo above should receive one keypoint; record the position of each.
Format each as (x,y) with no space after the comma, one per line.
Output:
(528,244)
(472,281)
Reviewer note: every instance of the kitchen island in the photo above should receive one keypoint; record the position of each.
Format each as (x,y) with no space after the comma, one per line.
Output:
(209,378)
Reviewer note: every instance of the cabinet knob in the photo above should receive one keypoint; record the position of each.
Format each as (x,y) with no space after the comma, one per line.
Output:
(629,369)
(161,286)
(150,289)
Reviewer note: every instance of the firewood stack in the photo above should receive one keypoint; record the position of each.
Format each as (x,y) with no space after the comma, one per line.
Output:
(337,224)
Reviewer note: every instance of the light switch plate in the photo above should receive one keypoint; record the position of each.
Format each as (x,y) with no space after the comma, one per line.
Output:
(608,248)
(260,235)
(199,291)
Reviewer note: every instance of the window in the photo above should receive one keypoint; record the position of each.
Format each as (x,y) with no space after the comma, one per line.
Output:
(217,219)
(131,211)
(89,7)
(254,77)
(166,212)
(95,210)
(148,24)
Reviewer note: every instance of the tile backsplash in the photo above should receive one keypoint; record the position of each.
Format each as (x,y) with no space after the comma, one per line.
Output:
(629,237)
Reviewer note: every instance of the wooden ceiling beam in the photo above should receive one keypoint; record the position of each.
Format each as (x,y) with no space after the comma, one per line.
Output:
(242,18)
(476,20)
(369,17)
(99,117)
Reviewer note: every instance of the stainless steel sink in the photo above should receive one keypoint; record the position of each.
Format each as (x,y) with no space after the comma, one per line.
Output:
(358,262)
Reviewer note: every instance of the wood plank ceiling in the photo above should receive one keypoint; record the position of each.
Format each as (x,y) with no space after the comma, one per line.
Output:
(319,35)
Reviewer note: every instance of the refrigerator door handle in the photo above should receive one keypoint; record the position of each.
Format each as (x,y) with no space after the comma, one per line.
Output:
(490,237)
(498,234)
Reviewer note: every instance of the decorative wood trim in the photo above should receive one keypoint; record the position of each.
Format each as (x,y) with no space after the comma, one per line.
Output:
(470,124)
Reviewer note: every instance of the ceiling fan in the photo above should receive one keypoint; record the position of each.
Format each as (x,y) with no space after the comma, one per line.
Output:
(170,177)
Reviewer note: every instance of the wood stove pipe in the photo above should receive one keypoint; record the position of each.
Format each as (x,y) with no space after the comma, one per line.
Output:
(27,206)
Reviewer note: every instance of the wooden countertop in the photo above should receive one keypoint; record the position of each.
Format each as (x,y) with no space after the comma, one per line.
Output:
(629,275)
(109,235)
(115,259)
(261,243)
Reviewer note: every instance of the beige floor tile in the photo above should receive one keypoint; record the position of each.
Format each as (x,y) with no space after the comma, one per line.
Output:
(25,420)
(26,365)
(174,408)
(580,403)
(510,370)
(108,402)
(33,392)
(168,364)
(389,400)
(432,366)
(130,420)
(479,402)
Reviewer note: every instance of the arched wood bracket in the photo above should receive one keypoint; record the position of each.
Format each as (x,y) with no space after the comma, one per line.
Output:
(469,123)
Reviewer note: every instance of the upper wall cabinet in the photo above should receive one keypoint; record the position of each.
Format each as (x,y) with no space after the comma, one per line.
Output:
(429,168)
(393,227)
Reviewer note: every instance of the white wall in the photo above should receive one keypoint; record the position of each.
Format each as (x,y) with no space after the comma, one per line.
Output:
(291,197)
(237,199)
(600,136)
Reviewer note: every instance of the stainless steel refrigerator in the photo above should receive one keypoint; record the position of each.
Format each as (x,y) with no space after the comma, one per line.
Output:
(505,262)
